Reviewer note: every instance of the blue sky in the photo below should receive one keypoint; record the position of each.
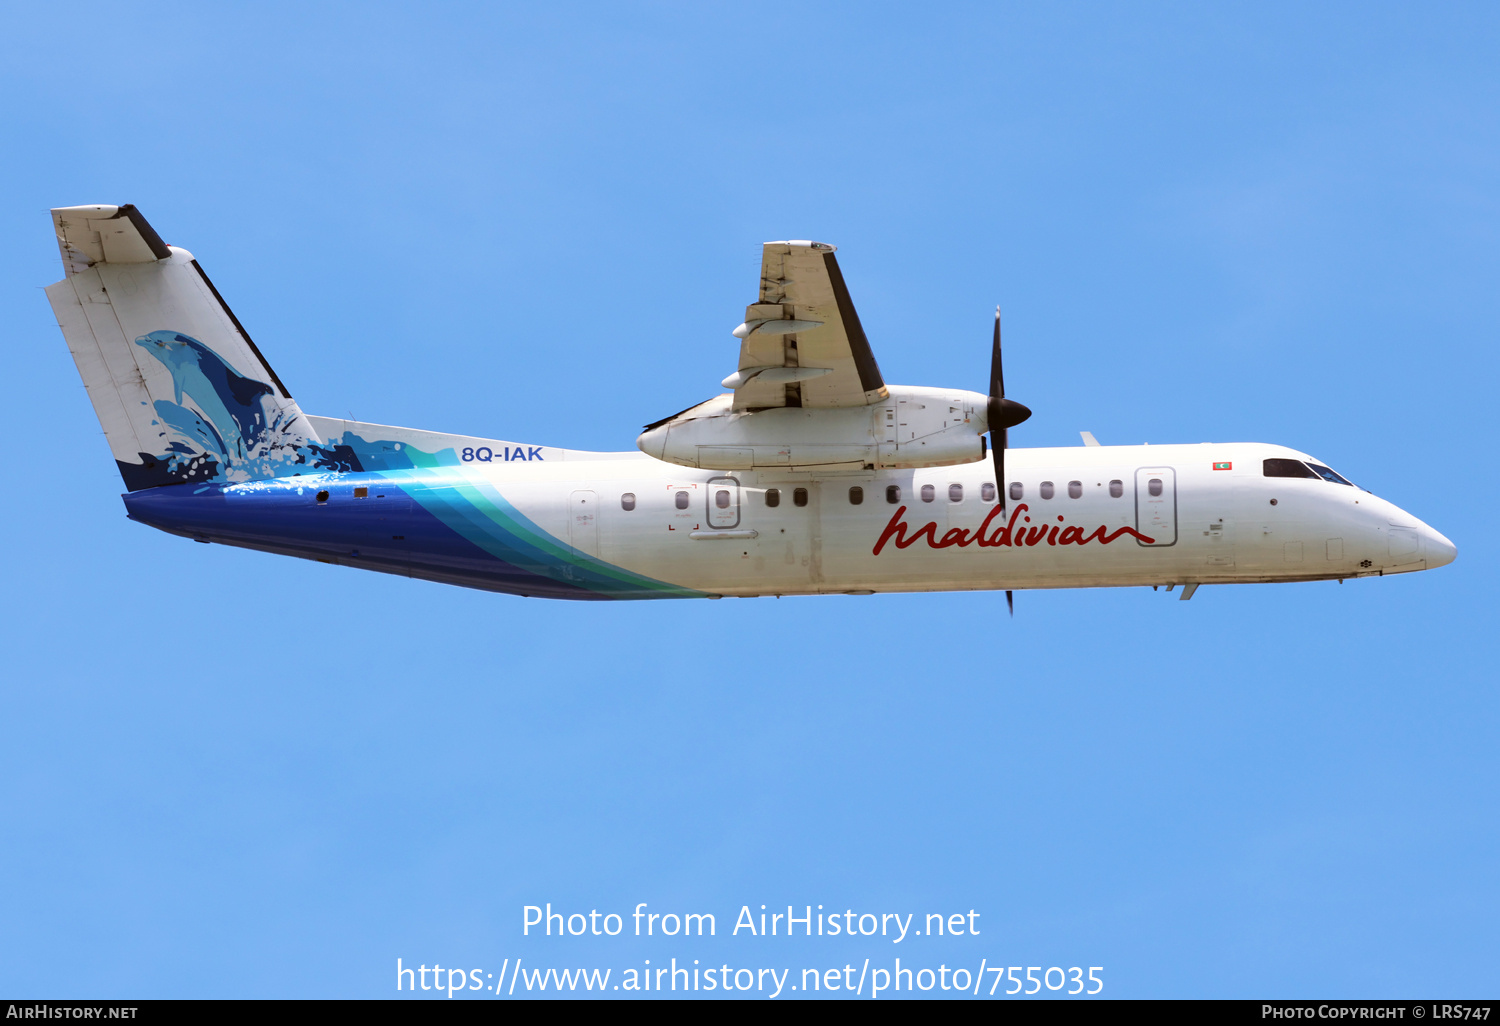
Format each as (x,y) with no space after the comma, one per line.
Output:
(227,774)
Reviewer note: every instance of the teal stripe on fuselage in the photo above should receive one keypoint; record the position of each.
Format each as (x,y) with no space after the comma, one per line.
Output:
(475,510)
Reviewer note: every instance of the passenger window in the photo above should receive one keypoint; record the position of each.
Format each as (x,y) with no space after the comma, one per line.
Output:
(773,497)
(322,496)
(986,492)
(721,498)
(1075,489)
(928,493)
(1154,486)
(893,494)
(627,501)
(1016,490)
(682,500)
(364,493)
(1047,489)
(1287,468)
(799,496)
(1116,489)
(856,495)
(955,493)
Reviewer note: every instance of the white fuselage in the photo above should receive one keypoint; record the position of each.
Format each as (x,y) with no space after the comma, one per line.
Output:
(1140,515)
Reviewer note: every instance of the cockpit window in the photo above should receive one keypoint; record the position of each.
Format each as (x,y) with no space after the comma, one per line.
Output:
(1328,475)
(1288,468)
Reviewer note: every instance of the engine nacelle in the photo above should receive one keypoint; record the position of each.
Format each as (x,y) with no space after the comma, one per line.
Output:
(915,427)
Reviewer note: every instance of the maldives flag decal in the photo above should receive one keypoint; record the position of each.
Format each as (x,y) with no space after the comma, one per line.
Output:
(1223,466)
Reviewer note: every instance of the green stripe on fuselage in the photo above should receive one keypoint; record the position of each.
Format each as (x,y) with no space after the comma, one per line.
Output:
(475,509)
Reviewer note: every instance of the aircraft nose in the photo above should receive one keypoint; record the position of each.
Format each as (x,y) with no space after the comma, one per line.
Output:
(1436,549)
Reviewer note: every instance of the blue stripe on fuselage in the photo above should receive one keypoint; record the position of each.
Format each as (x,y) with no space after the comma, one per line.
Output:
(449,532)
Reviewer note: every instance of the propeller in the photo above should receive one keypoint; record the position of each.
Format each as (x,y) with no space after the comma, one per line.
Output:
(1004,414)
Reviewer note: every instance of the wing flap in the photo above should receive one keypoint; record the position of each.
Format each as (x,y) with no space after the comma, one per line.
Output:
(804,318)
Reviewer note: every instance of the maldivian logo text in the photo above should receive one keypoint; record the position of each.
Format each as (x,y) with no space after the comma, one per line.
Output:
(1012,535)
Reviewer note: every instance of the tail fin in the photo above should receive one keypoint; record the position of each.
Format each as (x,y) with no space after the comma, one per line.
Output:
(181,390)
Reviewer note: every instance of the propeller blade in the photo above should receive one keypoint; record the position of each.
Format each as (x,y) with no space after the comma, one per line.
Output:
(997,389)
(999,438)
(1003,413)
(997,369)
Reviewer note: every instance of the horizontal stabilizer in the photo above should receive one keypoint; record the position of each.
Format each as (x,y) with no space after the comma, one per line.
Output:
(98,234)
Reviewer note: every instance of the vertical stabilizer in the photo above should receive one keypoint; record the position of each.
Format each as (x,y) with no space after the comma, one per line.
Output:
(183,393)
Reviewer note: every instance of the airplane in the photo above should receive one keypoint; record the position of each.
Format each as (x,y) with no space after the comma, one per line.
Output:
(809,476)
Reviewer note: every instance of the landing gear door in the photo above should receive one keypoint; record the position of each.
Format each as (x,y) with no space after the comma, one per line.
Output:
(1156,506)
(723,502)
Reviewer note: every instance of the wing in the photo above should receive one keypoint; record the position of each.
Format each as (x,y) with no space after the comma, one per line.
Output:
(803,344)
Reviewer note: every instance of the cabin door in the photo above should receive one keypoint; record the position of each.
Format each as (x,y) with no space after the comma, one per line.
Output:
(723,503)
(1156,506)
